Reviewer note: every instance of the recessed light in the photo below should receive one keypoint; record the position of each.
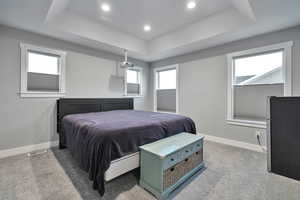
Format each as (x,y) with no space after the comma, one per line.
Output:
(191,4)
(147,28)
(105,7)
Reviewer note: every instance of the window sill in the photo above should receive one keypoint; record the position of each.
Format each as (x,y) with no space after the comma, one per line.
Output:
(259,84)
(133,96)
(41,95)
(248,123)
(167,112)
(167,89)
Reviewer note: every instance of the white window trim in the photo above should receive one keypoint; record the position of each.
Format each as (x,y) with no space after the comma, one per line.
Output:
(287,70)
(176,66)
(24,69)
(140,69)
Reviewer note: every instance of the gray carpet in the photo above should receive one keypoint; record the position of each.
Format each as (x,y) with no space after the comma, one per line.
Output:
(231,174)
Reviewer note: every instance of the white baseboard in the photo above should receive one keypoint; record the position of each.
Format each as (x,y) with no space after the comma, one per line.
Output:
(26,149)
(235,143)
(47,145)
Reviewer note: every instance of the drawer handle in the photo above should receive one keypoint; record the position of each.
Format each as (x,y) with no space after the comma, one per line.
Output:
(186,151)
(186,160)
(172,169)
(172,159)
(198,145)
(197,152)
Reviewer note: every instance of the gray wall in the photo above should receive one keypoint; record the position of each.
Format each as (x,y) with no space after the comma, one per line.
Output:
(89,73)
(166,100)
(203,83)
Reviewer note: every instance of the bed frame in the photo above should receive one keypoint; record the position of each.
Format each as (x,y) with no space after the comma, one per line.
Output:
(66,106)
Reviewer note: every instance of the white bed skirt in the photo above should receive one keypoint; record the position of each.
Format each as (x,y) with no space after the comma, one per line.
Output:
(122,165)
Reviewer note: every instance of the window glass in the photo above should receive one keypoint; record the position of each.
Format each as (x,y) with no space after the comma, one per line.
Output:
(132,76)
(43,63)
(167,79)
(259,69)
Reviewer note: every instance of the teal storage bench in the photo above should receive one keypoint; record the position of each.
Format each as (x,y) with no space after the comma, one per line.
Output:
(167,163)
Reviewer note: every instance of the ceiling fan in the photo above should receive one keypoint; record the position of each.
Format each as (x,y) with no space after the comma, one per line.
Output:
(126,63)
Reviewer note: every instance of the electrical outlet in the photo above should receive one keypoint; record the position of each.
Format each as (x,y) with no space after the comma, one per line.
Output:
(258,134)
(258,137)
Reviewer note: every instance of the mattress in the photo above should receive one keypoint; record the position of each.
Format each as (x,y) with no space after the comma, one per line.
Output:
(96,139)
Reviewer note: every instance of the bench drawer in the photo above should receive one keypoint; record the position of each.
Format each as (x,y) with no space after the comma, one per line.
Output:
(198,145)
(177,157)
(171,160)
(187,151)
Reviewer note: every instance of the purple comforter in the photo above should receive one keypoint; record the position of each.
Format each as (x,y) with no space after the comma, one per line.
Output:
(95,139)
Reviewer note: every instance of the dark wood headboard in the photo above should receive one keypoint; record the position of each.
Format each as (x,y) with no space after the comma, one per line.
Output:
(67,106)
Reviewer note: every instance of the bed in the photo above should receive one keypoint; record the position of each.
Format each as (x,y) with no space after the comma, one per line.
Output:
(104,135)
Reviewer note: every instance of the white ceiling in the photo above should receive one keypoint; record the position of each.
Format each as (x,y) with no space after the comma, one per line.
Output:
(175,30)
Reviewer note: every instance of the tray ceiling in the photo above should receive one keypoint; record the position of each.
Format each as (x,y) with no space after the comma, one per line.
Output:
(175,29)
(165,16)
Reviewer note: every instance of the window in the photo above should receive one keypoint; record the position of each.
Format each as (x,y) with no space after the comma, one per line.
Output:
(259,69)
(133,76)
(166,79)
(42,72)
(253,75)
(133,82)
(165,89)
(50,63)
